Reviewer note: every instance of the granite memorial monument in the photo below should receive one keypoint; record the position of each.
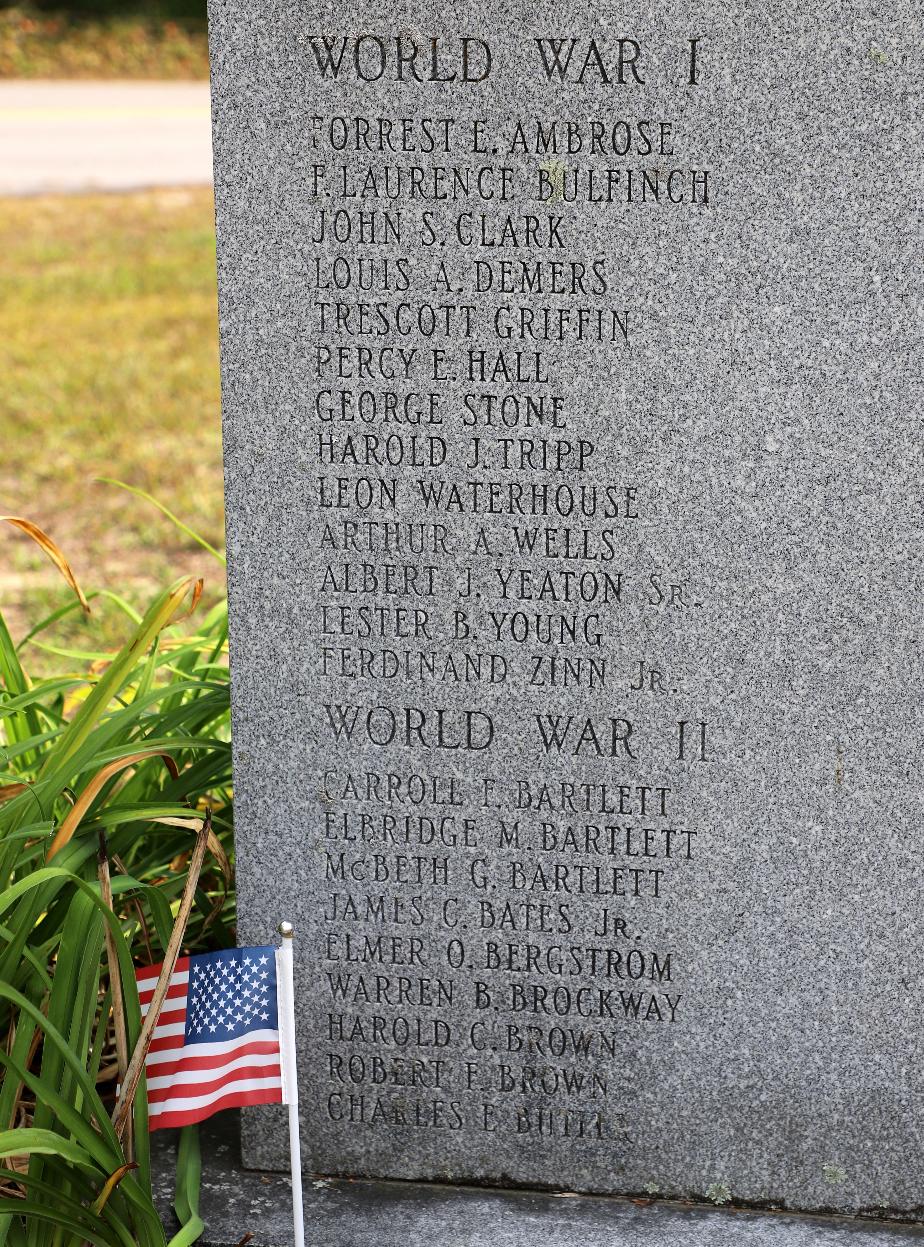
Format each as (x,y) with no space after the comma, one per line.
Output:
(572,371)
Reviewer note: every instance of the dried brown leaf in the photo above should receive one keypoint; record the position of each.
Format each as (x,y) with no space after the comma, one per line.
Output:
(50,547)
(93,788)
(111,1183)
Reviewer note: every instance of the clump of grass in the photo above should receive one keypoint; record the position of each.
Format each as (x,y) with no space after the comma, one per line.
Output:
(129,748)
(109,359)
(36,44)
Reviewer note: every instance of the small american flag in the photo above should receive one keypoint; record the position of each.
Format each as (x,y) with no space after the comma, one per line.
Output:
(217,1040)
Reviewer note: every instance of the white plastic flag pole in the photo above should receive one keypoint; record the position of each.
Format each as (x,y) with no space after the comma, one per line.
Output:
(285,989)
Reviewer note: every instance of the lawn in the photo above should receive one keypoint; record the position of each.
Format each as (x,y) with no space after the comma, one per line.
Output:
(130,44)
(109,359)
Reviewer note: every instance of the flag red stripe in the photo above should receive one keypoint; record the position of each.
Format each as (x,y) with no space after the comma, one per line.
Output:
(174,1043)
(193,1103)
(234,1099)
(153,972)
(169,1017)
(176,991)
(166,1041)
(190,1061)
(159,1094)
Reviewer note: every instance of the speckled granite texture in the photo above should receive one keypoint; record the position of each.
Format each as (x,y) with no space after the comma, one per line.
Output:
(553,932)
(338,1213)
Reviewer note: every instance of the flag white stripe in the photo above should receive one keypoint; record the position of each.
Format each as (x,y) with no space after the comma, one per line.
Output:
(184,1104)
(176,1012)
(169,1002)
(169,1029)
(226,1047)
(197,1076)
(147,981)
(146,985)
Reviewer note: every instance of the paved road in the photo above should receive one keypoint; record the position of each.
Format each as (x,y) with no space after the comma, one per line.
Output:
(73,136)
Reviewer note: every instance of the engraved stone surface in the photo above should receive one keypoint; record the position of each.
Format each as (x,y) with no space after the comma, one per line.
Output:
(571,379)
(354,1213)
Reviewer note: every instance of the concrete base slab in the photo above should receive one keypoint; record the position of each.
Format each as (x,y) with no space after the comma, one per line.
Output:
(359,1213)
